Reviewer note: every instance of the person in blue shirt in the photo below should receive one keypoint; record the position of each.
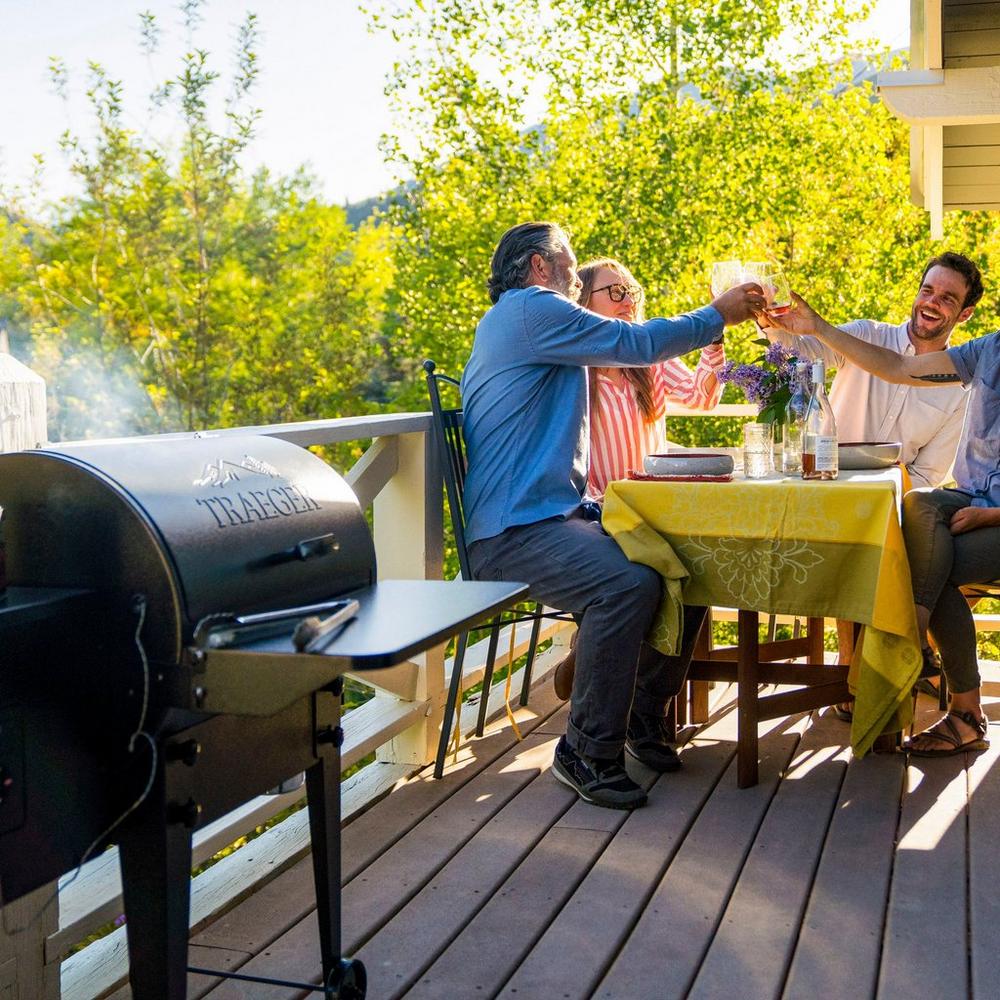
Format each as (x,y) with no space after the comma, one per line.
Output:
(524,397)
(952,535)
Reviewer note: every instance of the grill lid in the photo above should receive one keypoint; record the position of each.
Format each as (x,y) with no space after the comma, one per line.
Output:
(206,524)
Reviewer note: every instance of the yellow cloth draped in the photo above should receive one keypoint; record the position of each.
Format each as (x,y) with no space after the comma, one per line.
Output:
(817,549)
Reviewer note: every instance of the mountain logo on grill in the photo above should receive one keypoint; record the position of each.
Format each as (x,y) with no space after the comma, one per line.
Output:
(224,471)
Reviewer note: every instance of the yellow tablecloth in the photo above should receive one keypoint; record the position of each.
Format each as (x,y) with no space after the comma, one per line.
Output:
(818,549)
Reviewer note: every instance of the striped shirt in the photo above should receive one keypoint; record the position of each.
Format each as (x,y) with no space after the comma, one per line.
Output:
(620,438)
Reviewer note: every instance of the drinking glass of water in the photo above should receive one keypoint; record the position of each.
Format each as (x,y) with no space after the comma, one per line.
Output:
(758,450)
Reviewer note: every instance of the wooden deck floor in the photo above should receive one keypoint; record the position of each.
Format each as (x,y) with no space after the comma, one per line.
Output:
(831,878)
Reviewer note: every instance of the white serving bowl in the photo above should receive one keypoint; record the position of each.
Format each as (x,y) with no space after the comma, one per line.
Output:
(869,454)
(688,463)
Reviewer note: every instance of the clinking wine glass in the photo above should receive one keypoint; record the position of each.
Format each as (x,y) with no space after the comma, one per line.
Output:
(726,274)
(774,284)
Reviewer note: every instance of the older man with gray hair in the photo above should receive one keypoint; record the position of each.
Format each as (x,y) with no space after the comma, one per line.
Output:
(525,416)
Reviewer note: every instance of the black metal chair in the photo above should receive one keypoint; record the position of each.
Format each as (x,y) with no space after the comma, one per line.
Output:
(448,437)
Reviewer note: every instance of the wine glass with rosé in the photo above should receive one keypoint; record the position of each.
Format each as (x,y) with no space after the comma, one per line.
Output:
(774,284)
(726,274)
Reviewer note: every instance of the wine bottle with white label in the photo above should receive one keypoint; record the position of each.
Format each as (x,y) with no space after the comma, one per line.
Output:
(819,440)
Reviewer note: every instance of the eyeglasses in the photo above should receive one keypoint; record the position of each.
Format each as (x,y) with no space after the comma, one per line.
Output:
(617,292)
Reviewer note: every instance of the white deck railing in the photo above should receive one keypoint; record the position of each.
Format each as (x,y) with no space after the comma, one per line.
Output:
(398,477)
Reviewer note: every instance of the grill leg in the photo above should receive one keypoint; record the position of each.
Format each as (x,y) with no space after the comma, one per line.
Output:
(345,979)
(156,879)
(323,791)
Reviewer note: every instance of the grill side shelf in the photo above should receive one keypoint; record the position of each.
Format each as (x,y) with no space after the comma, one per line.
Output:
(396,619)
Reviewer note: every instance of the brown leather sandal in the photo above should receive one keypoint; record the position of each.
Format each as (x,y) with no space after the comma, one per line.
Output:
(947,732)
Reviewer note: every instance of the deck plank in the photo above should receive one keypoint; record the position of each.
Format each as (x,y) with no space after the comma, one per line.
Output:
(664,951)
(289,899)
(409,942)
(753,945)
(575,950)
(488,949)
(397,874)
(984,863)
(851,886)
(925,950)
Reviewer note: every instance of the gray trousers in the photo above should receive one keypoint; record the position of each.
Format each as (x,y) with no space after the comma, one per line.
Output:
(573,565)
(940,563)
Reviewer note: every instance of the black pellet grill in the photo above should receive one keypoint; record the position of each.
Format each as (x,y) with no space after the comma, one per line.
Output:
(120,559)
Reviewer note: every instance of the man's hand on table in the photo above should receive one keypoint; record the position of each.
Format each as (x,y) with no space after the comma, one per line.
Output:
(970,518)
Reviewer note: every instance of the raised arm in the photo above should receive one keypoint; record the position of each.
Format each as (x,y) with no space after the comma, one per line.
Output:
(699,389)
(935,368)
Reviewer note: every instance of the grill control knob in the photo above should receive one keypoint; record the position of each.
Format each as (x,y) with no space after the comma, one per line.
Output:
(186,813)
(187,752)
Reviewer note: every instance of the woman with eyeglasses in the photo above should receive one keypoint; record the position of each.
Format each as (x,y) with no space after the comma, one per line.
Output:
(627,404)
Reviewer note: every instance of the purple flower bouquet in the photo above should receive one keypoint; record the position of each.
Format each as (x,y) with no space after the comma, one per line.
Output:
(767,381)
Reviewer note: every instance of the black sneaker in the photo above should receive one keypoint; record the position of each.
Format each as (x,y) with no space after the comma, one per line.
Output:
(647,742)
(599,782)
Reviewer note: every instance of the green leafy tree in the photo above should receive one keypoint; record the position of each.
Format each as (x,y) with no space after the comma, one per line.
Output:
(667,134)
(178,292)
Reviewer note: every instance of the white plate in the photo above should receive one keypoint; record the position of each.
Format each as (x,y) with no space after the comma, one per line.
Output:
(692,463)
(869,454)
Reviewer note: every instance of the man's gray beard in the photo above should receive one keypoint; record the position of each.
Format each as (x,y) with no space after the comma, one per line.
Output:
(570,291)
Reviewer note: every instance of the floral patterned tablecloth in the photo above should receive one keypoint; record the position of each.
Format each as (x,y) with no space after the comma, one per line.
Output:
(782,545)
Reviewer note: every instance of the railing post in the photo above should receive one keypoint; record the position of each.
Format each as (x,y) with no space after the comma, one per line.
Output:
(27,922)
(409,545)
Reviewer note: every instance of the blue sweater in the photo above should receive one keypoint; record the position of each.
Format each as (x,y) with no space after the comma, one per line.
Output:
(524,394)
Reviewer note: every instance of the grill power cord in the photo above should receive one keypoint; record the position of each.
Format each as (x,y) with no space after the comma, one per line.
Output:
(139,607)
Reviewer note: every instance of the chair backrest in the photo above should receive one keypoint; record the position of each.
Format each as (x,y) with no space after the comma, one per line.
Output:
(451,447)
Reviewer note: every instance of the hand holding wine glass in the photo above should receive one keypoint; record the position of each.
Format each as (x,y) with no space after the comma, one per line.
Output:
(798,318)
(740,303)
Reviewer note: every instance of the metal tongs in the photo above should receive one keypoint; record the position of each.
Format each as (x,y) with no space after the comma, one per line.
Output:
(220,631)
(313,634)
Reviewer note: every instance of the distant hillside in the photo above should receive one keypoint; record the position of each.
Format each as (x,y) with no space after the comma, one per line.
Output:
(358,211)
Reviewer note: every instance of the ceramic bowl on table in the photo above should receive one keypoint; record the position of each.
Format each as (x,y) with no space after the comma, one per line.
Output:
(689,463)
(856,455)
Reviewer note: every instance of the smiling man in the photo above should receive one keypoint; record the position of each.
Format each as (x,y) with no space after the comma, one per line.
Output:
(927,421)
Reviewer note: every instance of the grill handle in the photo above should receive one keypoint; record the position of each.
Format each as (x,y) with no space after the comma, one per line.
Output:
(308,548)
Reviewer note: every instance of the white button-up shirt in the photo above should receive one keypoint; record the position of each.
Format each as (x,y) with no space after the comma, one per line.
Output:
(928,421)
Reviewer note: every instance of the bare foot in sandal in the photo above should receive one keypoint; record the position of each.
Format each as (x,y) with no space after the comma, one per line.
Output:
(957,732)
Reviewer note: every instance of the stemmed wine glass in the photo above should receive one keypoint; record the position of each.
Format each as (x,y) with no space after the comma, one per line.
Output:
(726,274)
(774,284)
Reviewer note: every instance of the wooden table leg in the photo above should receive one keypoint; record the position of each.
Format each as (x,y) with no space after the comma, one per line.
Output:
(746,700)
(847,640)
(699,689)
(814,628)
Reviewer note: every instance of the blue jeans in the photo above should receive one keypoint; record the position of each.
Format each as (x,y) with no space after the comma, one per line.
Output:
(940,563)
(572,565)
